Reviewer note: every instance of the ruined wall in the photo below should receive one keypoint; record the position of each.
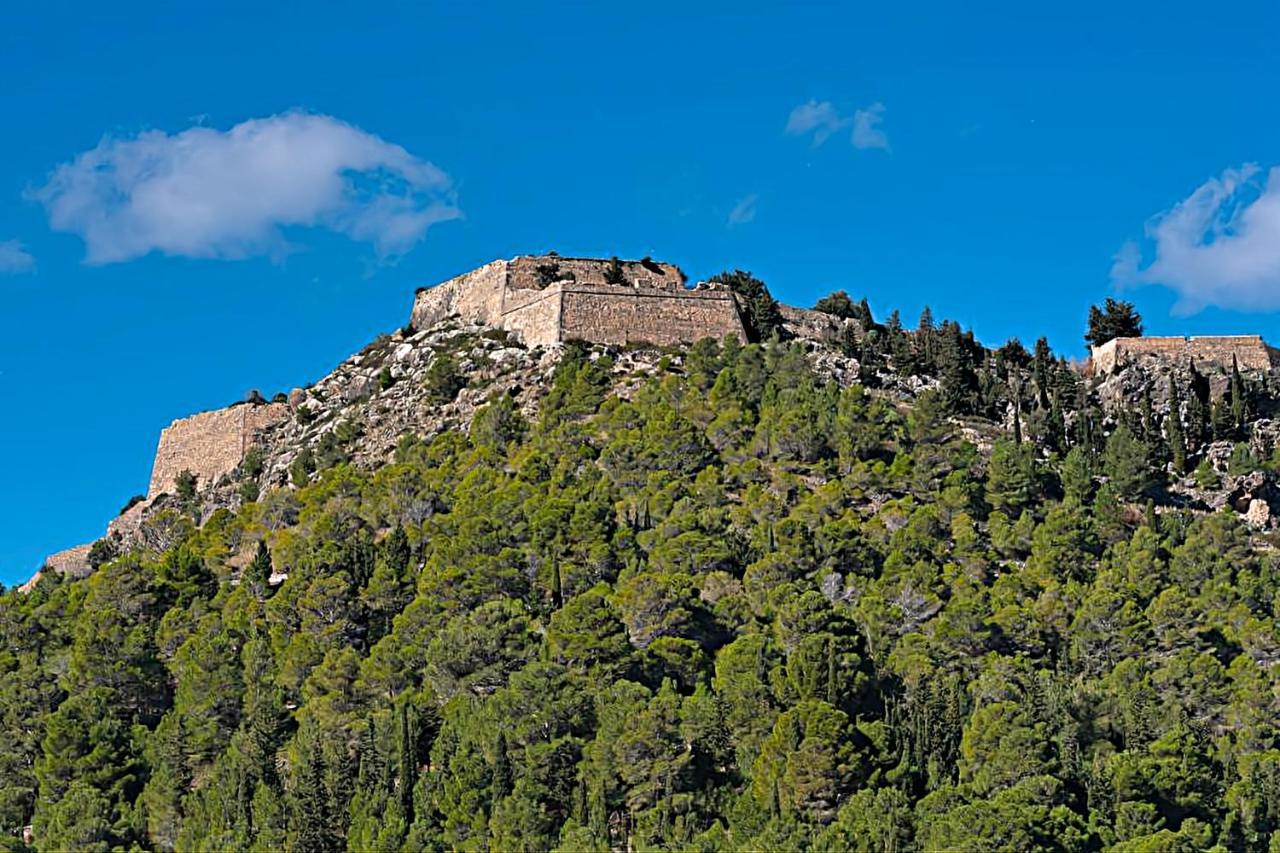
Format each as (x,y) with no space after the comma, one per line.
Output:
(209,444)
(816,325)
(621,315)
(1249,351)
(590,271)
(71,563)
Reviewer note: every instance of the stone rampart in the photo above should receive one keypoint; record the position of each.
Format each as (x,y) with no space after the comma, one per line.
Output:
(1250,352)
(622,315)
(210,444)
(547,299)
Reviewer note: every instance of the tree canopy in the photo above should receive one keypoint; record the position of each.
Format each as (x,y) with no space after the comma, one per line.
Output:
(1115,319)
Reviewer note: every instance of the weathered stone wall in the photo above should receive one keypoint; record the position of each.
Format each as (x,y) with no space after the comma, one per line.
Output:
(533,316)
(1249,351)
(621,315)
(209,444)
(476,295)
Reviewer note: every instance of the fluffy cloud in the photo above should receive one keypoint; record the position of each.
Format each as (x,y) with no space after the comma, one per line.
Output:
(205,193)
(822,120)
(14,259)
(744,211)
(866,128)
(1220,246)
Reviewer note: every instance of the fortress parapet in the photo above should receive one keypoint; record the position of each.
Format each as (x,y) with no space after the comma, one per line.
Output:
(1250,352)
(546,299)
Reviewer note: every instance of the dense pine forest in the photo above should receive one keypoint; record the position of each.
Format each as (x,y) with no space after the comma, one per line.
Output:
(947,599)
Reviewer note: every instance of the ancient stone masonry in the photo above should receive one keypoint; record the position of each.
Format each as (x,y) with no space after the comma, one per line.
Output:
(1249,351)
(210,444)
(546,299)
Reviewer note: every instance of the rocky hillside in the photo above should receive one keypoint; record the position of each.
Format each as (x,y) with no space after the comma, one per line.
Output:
(421,383)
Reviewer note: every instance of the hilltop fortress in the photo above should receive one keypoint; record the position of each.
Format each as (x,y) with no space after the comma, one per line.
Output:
(543,301)
(546,299)
(1249,352)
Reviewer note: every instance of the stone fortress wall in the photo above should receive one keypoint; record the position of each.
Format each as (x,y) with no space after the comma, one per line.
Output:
(210,444)
(546,299)
(1249,351)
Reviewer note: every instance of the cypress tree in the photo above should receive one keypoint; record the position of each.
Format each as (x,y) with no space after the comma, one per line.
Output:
(864,315)
(257,575)
(1040,370)
(407,737)
(1239,406)
(1057,426)
(832,681)
(1221,419)
(311,801)
(1148,424)
(501,769)
(1173,429)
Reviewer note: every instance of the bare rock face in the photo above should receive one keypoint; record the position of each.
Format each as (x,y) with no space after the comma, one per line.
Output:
(1258,515)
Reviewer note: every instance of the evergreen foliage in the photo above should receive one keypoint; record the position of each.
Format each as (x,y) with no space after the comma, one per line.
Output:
(1115,319)
(741,607)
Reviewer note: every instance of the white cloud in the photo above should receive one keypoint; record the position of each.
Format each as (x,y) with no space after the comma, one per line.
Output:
(1219,246)
(820,119)
(14,258)
(744,211)
(866,128)
(205,193)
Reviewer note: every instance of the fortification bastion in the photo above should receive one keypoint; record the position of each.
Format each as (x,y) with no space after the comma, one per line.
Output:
(210,444)
(547,299)
(1249,352)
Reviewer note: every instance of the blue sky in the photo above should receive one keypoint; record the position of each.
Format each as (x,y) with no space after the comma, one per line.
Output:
(197,199)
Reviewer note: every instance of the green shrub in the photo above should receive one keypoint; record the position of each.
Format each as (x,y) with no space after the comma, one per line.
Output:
(442,380)
(303,466)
